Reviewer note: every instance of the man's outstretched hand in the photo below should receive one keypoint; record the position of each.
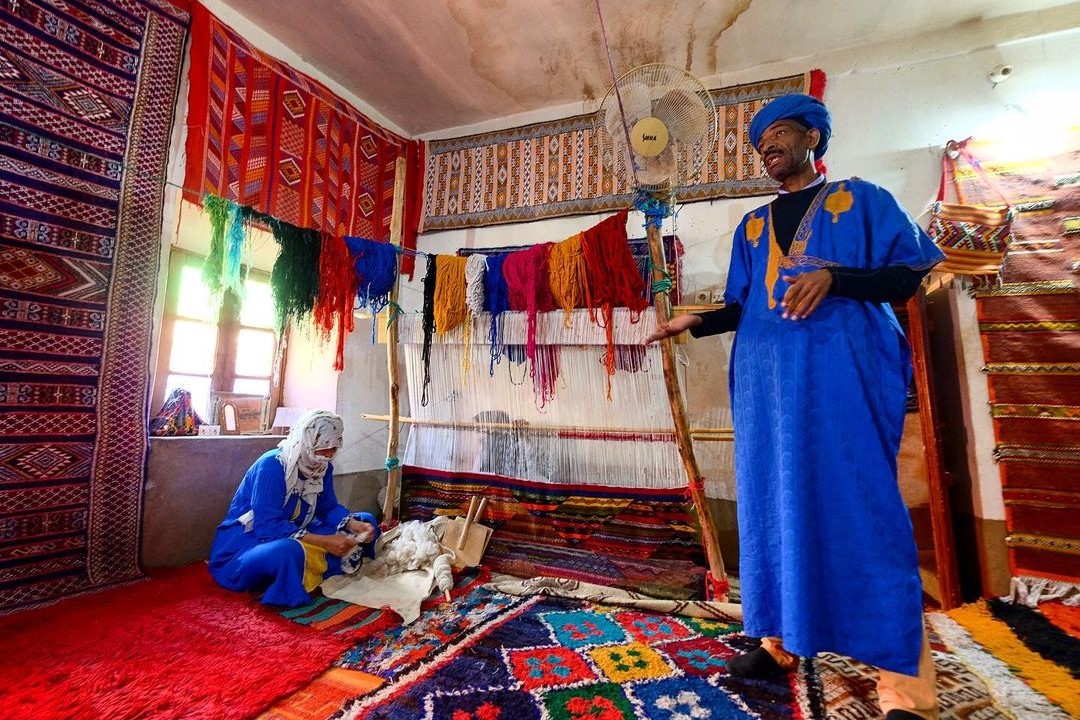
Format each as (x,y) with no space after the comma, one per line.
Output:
(673,327)
(805,293)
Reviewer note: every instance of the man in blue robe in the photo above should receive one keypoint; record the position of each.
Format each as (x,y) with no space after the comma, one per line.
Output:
(818,376)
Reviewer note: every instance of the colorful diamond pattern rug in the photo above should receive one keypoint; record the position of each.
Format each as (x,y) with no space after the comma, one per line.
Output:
(562,659)
(87,93)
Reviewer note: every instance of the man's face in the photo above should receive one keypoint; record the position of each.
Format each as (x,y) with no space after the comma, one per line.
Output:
(785,148)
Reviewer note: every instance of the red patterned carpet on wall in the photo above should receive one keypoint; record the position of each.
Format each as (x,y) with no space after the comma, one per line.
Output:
(1030,328)
(86,108)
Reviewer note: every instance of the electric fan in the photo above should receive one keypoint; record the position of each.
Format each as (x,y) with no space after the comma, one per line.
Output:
(655,126)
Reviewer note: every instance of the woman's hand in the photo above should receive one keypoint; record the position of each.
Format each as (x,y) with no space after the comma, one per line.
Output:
(361,530)
(340,545)
(673,327)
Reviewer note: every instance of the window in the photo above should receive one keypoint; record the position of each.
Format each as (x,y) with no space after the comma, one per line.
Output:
(207,348)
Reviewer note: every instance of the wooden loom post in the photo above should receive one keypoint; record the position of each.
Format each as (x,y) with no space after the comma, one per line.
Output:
(393,465)
(662,305)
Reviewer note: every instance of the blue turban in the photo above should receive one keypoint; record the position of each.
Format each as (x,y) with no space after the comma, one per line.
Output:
(803,109)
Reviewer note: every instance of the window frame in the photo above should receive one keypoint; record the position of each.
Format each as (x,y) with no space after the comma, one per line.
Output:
(228,333)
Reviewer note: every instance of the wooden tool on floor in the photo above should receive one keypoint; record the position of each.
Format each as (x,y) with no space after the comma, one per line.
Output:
(466,539)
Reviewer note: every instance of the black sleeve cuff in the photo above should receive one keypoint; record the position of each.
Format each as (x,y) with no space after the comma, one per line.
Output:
(716,322)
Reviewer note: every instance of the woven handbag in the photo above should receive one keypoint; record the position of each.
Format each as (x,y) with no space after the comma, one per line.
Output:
(974,238)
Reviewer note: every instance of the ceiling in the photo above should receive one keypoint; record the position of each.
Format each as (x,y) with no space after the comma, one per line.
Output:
(434,64)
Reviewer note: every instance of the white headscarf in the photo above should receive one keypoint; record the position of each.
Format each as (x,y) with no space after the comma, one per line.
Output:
(304,470)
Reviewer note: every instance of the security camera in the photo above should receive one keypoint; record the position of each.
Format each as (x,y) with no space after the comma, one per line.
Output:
(1000,73)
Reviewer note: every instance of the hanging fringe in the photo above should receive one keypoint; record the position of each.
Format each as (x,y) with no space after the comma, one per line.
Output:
(295,277)
(429,322)
(217,210)
(338,284)
(496,302)
(566,266)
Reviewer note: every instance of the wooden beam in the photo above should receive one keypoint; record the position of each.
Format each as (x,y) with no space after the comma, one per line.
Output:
(719,434)
(662,306)
(393,465)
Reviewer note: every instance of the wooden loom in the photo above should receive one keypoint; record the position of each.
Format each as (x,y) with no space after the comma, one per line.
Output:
(683,435)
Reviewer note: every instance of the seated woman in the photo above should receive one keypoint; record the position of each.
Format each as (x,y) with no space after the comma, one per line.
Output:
(285,530)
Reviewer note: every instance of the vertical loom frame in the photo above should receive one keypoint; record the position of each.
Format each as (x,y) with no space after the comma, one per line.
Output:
(393,465)
(683,439)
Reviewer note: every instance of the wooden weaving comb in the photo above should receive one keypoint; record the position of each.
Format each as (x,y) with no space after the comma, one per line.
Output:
(466,539)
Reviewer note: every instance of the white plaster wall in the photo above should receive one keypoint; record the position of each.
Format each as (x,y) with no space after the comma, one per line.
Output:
(891,119)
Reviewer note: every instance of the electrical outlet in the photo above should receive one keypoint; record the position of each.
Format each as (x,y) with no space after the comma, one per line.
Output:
(702,297)
(717,297)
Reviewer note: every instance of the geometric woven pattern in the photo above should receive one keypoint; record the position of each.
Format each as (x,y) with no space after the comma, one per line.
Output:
(1030,329)
(85,92)
(559,659)
(269,137)
(639,539)
(553,169)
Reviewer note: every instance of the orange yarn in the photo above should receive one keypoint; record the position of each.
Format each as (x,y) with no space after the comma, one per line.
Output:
(450,308)
(566,266)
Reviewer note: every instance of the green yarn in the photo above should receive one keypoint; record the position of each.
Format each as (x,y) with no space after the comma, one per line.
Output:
(294,280)
(217,209)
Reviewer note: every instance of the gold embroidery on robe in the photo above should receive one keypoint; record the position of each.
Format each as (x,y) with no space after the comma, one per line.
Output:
(772,270)
(754,226)
(839,202)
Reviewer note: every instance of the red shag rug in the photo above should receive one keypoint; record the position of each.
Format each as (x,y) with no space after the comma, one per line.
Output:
(176,646)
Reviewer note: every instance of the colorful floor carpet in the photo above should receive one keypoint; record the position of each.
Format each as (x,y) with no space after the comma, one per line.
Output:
(175,646)
(491,657)
(1033,653)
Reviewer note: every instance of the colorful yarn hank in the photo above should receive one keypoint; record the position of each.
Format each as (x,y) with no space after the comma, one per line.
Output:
(338,283)
(294,280)
(450,308)
(528,283)
(475,269)
(428,321)
(375,265)
(613,279)
(217,210)
(566,268)
(496,302)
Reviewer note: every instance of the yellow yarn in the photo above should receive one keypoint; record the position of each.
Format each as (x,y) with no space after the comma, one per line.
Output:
(450,308)
(1048,678)
(566,270)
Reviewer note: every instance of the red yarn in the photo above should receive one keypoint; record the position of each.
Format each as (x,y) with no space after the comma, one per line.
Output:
(338,285)
(528,287)
(612,278)
(716,589)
